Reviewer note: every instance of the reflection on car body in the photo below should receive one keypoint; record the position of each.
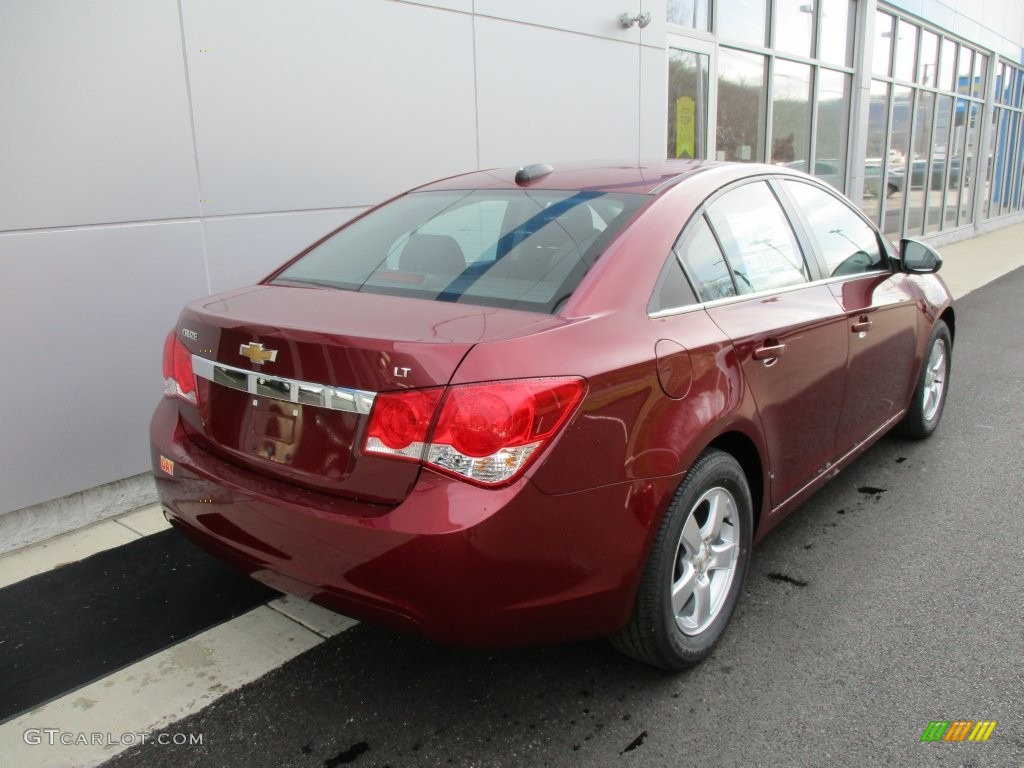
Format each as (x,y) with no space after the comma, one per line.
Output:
(526,406)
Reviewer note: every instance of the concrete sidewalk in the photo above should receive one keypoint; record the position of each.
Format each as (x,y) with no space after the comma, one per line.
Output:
(971,263)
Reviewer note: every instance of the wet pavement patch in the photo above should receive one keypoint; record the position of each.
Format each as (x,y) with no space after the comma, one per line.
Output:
(349,755)
(635,742)
(67,627)
(783,578)
(870,490)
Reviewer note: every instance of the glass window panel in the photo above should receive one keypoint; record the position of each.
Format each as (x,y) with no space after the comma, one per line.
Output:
(980,67)
(940,147)
(690,13)
(744,21)
(969,166)
(836,46)
(757,239)
(999,163)
(906,50)
(924,113)
(947,65)
(882,51)
(672,290)
(1017,80)
(988,160)
(949,170)
(791,113)
(996,160)
(794,26)
(899,151)
(846,242)
(832,127)
(965,67)
(704,262)
(1001,84)
(519,249)
(926,63)
(687,104)
(1009,194)
(1006,161)
(741,106)
(876,182)
(1013,201)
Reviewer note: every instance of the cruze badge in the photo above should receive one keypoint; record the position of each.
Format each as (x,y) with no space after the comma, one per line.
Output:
(257,353)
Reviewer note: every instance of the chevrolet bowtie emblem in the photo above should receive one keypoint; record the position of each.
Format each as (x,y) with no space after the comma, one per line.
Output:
(257,353)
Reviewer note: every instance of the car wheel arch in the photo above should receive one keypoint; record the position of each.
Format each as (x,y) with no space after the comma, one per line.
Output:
(949,318)
(741,447)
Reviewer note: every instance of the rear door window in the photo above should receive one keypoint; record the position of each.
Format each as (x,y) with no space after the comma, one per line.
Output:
(705,264)
(757,239)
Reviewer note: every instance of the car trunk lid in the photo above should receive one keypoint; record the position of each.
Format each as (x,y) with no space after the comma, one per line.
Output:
(287,376)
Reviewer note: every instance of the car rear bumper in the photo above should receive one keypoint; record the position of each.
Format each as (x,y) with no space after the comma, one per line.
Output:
(460,564)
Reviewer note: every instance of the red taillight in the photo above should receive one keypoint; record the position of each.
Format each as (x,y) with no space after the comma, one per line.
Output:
(487,433)
(179,381)
(400,421)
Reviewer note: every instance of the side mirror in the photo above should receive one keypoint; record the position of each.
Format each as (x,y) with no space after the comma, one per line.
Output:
(918,258)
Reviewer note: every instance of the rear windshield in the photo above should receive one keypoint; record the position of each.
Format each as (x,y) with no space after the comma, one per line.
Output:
(521,249)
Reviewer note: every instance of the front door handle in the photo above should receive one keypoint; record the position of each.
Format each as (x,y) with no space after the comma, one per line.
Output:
(769,351)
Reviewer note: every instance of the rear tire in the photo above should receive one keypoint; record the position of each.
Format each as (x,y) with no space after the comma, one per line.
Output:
(696,569)
(930,390)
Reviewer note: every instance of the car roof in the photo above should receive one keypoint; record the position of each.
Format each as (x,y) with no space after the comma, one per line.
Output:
(651,178)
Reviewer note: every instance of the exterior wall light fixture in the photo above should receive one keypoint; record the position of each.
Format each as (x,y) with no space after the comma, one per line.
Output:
(642,19)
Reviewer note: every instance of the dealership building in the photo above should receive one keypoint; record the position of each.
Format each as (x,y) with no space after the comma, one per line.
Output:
(156,151)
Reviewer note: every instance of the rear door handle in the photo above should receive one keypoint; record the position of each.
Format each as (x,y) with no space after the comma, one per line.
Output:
(863,325)
(769,351)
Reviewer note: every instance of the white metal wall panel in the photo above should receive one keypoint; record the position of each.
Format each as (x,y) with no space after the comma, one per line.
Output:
(86,312)
(243,249)
(94,121)
(546,95)
(465,6)
(595,17)
(653,103)
(322,104)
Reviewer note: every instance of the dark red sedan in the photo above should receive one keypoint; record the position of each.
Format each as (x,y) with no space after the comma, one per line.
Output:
(533,405)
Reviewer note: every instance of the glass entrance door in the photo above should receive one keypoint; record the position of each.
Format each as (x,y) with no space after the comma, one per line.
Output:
(688,102)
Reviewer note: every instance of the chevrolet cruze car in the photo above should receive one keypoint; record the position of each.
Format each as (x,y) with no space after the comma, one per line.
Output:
(538,404)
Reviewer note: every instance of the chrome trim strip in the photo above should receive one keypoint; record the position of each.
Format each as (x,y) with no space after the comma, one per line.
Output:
(762,294)
(280,388)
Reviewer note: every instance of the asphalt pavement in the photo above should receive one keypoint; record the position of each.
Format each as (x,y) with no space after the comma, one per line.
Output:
(892,599)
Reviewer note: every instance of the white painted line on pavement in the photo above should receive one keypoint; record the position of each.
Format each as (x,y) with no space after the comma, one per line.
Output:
(62,550)
(145,521)
(106,717)
(324,622)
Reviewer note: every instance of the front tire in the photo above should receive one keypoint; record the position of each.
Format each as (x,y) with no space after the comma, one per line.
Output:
(696,569)
(930,390)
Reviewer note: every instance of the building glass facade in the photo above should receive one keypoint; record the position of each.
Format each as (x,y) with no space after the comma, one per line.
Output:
(925,111)
(775,81)
(1006,157)
(781,87)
